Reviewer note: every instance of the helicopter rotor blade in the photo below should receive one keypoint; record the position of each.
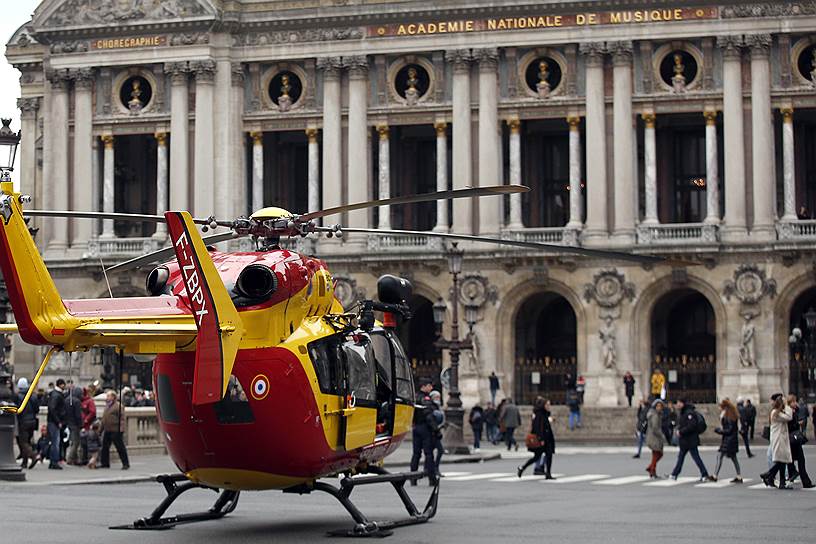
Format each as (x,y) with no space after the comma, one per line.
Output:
(493,190)
(600,253)
(165,253)
(138,217)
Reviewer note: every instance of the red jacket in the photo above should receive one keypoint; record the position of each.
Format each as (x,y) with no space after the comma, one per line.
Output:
(88,412)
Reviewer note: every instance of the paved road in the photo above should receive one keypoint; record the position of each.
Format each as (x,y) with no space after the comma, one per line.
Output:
(600,497)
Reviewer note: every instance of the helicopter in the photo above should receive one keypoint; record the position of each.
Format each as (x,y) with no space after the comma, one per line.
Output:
(248,342)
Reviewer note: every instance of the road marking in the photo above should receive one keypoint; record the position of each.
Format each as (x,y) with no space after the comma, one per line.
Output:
(527,478)
(722,483)
(473,477)
(759,486)
(668,482)
(454,474)
(623,480)
(579,478)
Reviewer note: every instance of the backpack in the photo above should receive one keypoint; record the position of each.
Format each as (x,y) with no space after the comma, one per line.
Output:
(699,423)
(642,424)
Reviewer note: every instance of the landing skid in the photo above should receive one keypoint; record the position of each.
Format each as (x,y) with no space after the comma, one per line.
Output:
(225,503)
(363,526)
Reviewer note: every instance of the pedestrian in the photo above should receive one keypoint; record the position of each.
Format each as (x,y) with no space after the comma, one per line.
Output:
(73,419)
(439,419)
(43,446)
(574,405)
(540,441)
(510,418)
(26,424)
(813,418)
(88,417)
(658,382)
(743,426)
(423,432)
(802,414)
(750,416)
(94,442)
(780,442)
(641,425)
(580,387)
(56,421)
(569,382)
(113,424)
(491,419)
(654,434)
(476,420)
(690,424)
(797,440)
(669,422)
(494,386)
(629,387)
(729,445)
(499,414)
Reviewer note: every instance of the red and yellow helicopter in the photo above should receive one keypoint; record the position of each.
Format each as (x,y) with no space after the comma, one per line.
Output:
(246,343)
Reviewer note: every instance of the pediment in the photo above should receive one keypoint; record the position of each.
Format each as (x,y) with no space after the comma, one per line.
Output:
(58,14)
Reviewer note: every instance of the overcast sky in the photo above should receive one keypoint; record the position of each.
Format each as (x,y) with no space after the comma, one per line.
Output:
(14,14)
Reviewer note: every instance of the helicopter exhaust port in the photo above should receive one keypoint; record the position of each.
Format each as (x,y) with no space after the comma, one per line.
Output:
(256,281)
(156,283)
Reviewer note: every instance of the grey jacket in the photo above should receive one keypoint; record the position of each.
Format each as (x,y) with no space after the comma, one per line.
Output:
(510,416)
(654,434)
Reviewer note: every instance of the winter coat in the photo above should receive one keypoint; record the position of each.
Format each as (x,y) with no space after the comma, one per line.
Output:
(476,418)
(780,440)
(73,407)
(27,419)
(654,430)
(543,429)
(730,442)
(113,418)
(88,412)
(510,416)
(629,384)
(56,407)
(94,442)
(687,428)
(491,417)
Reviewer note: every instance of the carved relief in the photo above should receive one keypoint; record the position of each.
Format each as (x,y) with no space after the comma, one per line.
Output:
(609,288)
(476,290)
(749,285)
(769,9)
(296,36)
(88,12)
(347,292)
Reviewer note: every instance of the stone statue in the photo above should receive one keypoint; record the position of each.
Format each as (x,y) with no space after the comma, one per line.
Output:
(135,103)
(813,68)
(747,352)
(609,353)
(284,100)
(678,79)
(543,85)
(411,92)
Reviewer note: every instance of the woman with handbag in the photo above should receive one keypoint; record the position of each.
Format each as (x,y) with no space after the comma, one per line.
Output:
(780,442)
(654,435)
(540,441)
(729,445)
(797,440)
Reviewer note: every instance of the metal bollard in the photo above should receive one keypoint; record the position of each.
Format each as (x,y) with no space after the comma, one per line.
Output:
(9,469)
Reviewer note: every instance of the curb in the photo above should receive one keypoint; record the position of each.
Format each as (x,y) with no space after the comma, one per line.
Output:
(99,481)
(454,461)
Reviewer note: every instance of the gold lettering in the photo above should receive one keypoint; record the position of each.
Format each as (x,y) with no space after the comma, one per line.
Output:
(627,17)
(431,28)
(638,16)
(557,20)
(580,19)
(678,14)
(491,24)
(502,24)
(615,17)
(421,29)
(455,26)
(411,29)
(654,15)
(443,27)
(593,19)
(401,30)
(469,26)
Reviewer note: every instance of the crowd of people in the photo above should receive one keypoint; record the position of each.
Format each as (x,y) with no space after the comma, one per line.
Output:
(73,434)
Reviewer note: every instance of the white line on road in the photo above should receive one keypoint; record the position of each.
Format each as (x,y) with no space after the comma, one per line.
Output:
(454,474)
(527,478)
(579,478)
(722,483)
(668,482)
(623,480)
(473,477)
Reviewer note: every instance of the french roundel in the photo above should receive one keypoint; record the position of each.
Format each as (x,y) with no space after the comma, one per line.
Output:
(260,387)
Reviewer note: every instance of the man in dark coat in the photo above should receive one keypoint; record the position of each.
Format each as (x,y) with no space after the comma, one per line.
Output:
(73,418)
(26,424)
(510,418)
(743,426)
(494,386)
(56,421)
(629,387)
(750,416)
(687,427)
(424,432)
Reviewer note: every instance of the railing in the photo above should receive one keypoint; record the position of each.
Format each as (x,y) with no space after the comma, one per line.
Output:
(122,247)
(691,377)
(797,230)
(545,235)
(677,234)
(403,243)
(544,376)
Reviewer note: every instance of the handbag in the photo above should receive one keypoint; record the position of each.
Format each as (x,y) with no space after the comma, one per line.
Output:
(532,441)
(766,432)
(798,438)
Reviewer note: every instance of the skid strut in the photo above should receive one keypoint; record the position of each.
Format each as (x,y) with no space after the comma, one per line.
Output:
(363,526)
(225,503)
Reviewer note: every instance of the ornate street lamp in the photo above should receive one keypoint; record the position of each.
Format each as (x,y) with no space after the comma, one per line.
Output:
(454,414)
(9,140)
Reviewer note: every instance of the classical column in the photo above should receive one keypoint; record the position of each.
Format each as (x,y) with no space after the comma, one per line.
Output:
(108,186)
(57,186)
(441,175)
(735,219)
(237,191)
(650,169)
(462,168)
(332,136)
(162,188)
(515,173)
(257,171)
(179,135)
(597,228)
(788,165)
(575,220)
(489,217)
(762,135)
(313,191)
(28,144)
(623,144)
(384,177)
(357,138)
(83,155)
(204,183)
(223,156)
(712,169)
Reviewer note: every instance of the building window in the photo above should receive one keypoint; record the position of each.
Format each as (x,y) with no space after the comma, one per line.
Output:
(543,76)
(678,66)
(545,169)
(285,89)
(411,80)
(133,91)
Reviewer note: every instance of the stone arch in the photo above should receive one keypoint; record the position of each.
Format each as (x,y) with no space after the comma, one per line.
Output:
(509,306)
(425,360)
(782,309)
(641,319)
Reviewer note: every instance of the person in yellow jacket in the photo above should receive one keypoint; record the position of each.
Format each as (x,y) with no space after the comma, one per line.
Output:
(658,382)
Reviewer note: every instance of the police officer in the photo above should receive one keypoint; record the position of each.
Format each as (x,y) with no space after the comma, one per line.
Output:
(425,429)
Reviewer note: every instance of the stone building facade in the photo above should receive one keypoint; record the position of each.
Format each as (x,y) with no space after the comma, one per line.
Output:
(687,132)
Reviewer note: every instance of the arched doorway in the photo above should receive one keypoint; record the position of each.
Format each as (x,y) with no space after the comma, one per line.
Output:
(684,345)
(546,346)
(418,336)
(802,347)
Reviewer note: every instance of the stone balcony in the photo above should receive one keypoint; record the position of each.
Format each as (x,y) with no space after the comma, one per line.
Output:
(804,229)
(546,235)
(677,234)
(403,243)
(101,247)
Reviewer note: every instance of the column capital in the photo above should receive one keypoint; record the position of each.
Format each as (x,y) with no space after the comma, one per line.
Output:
(161,138)
(311,134)
(83,78)
(460,59)
(621,52)
(574,122)
(488,58)
(514,124)
(593,51)
(731,46)
(237,74)
(357,66)
(710,117)
(28,107)
(107,139)
(204,70)
(787,114)
(177,71)
(330,66)
(649,119)
(441,128)
(383,131)
(257,137)
(59,79)
(760,45)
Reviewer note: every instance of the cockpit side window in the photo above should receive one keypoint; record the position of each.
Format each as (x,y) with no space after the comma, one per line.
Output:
(327,360)
(234,407)
(382,354)
(361,363)
(402,370)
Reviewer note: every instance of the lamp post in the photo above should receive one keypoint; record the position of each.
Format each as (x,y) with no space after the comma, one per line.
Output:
(9,470)
(795,342)
(454,414)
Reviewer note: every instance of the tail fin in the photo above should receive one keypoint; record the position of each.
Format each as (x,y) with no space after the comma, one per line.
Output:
(219,325)
(41,316)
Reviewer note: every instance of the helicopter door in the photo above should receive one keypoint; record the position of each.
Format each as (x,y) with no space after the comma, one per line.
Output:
(360,419)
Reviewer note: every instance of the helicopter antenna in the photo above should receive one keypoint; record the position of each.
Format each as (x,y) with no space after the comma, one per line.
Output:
(105,273)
